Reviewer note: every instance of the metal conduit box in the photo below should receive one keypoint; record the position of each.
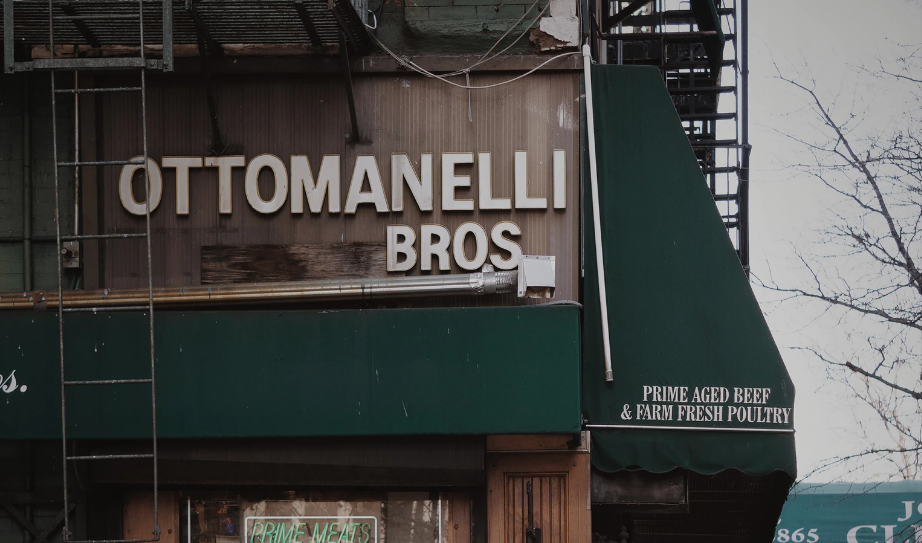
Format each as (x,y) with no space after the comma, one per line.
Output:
(536,276)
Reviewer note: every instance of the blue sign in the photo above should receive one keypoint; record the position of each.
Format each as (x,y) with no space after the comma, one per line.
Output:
(852,513)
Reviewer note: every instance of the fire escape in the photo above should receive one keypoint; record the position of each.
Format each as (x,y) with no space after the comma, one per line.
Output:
(696,45)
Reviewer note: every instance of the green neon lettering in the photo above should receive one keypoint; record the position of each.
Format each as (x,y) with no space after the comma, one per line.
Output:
(366,531)
(256,524)
(268,532)
(298,531)
(319,538)
(283,536)
(334,532)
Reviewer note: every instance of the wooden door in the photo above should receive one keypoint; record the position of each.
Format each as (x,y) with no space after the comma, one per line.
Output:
(560,494)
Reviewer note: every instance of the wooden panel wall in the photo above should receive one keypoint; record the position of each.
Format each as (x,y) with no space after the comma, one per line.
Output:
(549,506)
(139,516)
(285,115)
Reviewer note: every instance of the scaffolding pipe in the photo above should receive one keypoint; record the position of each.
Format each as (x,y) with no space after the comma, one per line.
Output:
(26,186)
(471,284)
(596,218)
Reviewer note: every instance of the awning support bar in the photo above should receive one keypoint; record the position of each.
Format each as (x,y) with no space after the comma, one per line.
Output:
(350,93)
(308,23)
(596,219)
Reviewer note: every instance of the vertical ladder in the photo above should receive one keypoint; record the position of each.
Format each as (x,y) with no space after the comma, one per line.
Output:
(141,64)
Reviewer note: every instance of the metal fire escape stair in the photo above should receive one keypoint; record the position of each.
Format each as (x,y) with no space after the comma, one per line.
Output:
(105,26)
(686,41)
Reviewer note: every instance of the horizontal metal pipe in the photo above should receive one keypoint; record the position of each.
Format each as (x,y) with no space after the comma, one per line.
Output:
(669,36)
(690,428)
(470,284)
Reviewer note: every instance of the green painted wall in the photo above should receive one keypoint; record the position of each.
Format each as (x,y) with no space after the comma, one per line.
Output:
(297,373)
(12,90)
(453,26)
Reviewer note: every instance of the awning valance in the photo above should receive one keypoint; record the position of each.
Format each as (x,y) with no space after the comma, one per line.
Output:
(698,381)
(295,373)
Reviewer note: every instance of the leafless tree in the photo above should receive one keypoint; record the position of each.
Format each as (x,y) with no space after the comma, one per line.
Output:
(867,273)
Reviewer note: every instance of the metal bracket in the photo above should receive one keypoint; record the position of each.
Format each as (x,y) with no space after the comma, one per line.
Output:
(70,254)
(79,24)
(206,47)
(354,137)
(532,534)
(9,44)
(308,23)
(167,35)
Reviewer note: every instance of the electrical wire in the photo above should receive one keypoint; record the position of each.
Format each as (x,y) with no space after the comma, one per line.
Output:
(407,63)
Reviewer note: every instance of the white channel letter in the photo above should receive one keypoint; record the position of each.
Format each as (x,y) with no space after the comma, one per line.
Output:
(522,201)
(395,247)
(480,246)
(560,179)
(485,185)
(366,165)
(302,183)
(182,165)
(428,249)
(420,187)
(126,192)
(450,181)
(279,183)
(506,244)
(224,165)
(852,536)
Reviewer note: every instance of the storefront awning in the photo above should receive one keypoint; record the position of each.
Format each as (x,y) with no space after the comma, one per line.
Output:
(698,381)
(295,373)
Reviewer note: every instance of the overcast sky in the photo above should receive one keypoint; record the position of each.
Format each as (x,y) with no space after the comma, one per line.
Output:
(828,40)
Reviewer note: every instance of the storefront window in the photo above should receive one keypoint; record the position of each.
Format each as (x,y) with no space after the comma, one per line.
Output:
(321,517)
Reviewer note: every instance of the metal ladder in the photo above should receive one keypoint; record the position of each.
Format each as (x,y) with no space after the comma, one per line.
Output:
(141,64)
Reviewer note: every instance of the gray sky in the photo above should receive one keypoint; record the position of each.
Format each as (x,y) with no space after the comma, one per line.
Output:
(826,40)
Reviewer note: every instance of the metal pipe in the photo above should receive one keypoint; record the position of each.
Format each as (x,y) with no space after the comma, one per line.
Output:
(596,219)
(26,186)
(472,284)
(76,154)
(744,139)
(691,428)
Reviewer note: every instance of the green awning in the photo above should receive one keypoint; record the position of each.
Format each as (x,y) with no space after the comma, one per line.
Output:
(698,381)
(296,373)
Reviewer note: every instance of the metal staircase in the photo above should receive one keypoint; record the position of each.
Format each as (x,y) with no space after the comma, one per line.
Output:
(140,64)
(696,46)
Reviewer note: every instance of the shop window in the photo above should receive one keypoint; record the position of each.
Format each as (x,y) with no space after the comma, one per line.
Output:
(328,517)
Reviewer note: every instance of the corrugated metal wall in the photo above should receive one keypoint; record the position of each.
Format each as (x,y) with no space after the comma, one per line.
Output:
(286,115)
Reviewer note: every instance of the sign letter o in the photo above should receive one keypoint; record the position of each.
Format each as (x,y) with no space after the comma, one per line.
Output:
(126,194)
(480,246)
(279,174)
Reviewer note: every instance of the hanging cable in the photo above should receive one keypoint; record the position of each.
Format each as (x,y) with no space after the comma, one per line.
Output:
(407,63)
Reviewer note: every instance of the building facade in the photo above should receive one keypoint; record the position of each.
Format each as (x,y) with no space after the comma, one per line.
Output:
(435,271)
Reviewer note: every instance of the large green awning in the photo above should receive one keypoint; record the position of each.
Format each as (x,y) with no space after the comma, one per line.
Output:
(296,373)
(698,381)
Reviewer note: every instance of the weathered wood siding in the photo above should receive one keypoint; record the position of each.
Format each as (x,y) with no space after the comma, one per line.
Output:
(308,115)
